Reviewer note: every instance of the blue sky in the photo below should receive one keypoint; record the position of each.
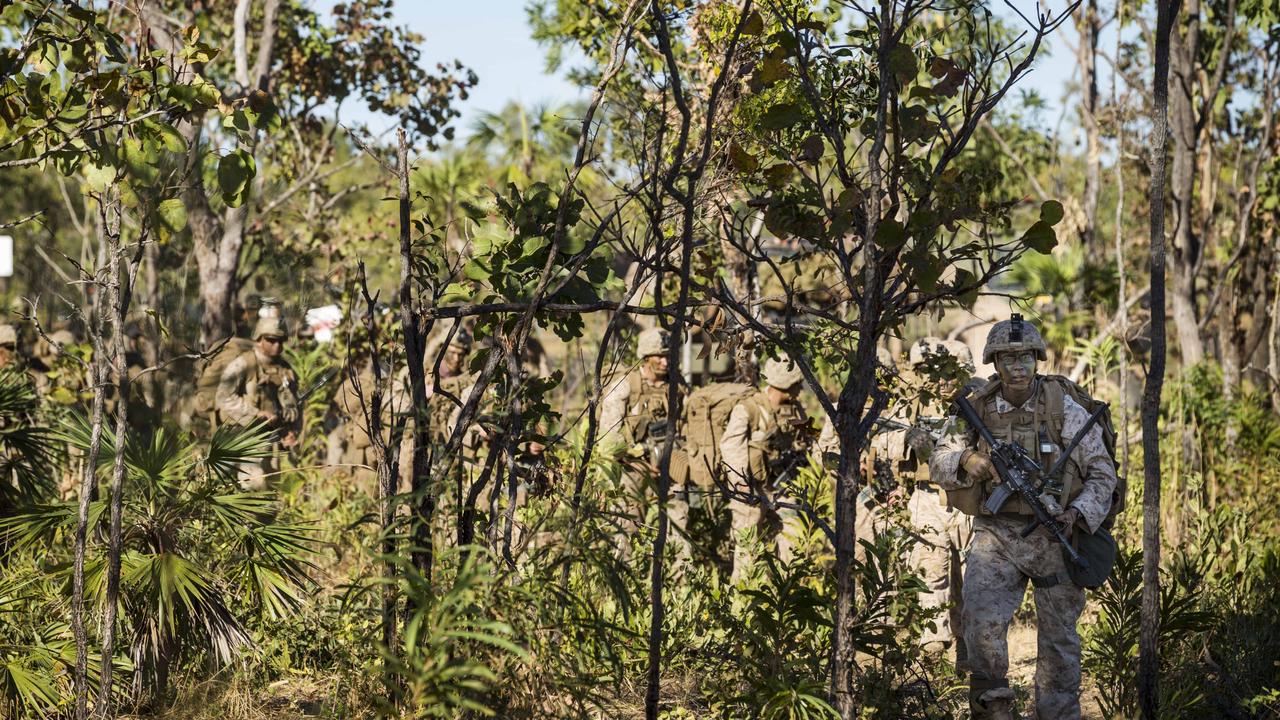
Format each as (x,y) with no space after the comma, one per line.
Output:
(492,38)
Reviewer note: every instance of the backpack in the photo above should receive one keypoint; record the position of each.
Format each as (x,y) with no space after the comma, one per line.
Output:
(707,412)
(207,382)
(1059,386)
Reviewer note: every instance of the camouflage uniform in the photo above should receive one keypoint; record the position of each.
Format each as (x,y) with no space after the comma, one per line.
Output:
(632,409)
(254,383)
(755,435)
(943,533)
(1000,561)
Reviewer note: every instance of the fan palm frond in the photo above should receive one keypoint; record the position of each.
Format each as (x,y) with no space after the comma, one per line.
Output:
(43,524)
(234,445)
(180,599)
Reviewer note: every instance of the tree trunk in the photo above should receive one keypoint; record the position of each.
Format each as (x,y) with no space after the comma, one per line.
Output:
(1273,342)
(121,288)
(217,251)
(424,500)
(1186,244)
(89,480)
(1121,279)
(1148,651)
(1088,25)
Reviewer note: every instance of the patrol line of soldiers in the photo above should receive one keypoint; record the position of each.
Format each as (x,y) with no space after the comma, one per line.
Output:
(952,480)
(764,434)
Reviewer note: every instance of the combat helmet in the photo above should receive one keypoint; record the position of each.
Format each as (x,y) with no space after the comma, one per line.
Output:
(654,341)
(782,373)
(927,347)
(269,327)
(1012,335)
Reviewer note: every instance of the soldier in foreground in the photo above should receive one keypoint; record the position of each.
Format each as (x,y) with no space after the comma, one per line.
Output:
(259,386)
(1039,414)
(762,435)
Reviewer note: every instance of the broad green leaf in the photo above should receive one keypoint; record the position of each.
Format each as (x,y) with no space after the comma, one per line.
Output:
(1040,237)
(97,178)
(890,234)
(744,161)
(235,170)
(173,214)
(1051,212)
(902,63)
(779,117)
(476,270)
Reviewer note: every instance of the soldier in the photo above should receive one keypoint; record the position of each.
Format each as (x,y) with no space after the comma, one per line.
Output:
(1036,412)
(761,436)
(942,532)
(259,385)
(635,417)
(9,357)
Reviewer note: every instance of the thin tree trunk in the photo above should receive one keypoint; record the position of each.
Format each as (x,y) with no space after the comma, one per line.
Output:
(424,501)
(853,400)
(89,480)
(1148,651)
(1088,24)
(386,452)
(121,285)
(1273,343)
(1186,244)
(1120,270)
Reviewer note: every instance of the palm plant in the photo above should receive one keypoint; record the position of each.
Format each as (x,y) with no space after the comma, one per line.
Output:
(200,557)
(528,141)
(27,450)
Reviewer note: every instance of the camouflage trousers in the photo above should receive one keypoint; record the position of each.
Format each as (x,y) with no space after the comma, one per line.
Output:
(640,494)
(998,566)
(944,536)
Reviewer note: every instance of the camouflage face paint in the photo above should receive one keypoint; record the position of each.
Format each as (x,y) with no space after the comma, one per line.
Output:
(1016,369)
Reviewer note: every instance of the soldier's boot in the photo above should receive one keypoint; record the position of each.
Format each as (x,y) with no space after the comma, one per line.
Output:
(991,700)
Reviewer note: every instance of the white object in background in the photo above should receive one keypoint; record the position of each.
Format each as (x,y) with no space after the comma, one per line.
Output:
(6,256)
(323,321)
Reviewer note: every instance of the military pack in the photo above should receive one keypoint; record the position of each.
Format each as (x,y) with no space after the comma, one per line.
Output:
(211,374)
(706,415)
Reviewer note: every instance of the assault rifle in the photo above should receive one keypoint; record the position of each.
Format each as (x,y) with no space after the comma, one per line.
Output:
(1019,471)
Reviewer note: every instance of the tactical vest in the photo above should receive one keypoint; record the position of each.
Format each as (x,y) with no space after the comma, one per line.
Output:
(646,403)
(1037,427)
(276,392)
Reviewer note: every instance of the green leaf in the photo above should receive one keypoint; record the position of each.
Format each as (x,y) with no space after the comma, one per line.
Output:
(235,170)
(141,159)
(777,176)
(744,161)
(573,243)
(476,270)
(890,234)
(903,64)
(754,25)
(1040,237)
(173,214)
(97,178)
(455,293)
(1051,212)
(780,117)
